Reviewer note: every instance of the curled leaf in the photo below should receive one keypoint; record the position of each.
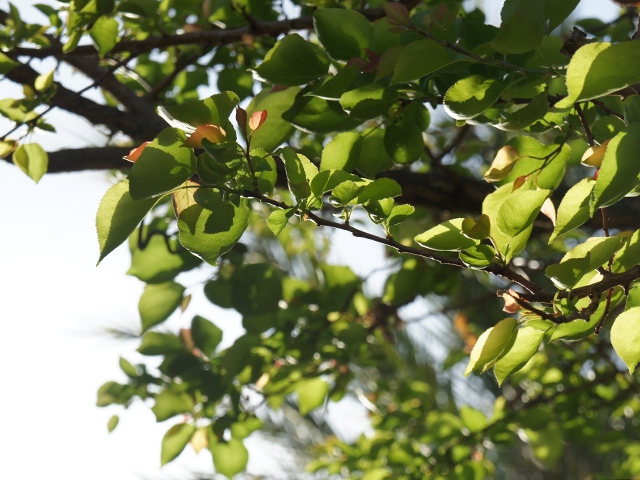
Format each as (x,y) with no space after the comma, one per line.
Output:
(510,303)
(257,119)
(135,153)
(503,164)
(213,133)
(593,156)
(549,210)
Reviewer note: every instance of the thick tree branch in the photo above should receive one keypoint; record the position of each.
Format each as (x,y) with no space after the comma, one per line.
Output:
(209,37)
(97,114)
(90,158)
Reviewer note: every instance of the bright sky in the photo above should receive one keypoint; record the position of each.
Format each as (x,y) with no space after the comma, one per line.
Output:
(55,302)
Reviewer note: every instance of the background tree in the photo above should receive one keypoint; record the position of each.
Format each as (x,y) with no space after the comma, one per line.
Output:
(522,184)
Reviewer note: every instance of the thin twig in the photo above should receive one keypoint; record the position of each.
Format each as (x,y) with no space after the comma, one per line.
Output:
(166,81)
(585,124)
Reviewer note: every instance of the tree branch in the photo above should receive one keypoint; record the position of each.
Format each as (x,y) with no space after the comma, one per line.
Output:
(209,37)
(97,114)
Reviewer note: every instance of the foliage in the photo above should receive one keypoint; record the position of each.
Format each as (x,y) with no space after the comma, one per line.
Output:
(355,111)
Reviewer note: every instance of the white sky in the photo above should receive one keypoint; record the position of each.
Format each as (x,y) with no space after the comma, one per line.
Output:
(54,303)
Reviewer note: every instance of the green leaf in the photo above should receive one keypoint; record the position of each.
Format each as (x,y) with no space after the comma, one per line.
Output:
(256,289)
(44,81)
(601,68)
(376,474)
(242,430)
(155,343)
(315,115)
(473,419)
(275,129)
(632,109)
(205,334)
(218,292)
(236,80)
(490,207)
(478,230)
(579,329)
(158,302)
(403,142)
(373,157)
(278,219)
(105,34)
(629,255)
(212,231)
(113,423)
(32,160)
(533,156)
(471,96)
(333,87)
(368,101)
(211,110)
(619,169)
(300,172)
(347,192)
(174,441)
(633,298)
(447,236)
(169,404)
(379,189)
(418,59)
(522,26)
(529,114)
(155,263)
(490,345)
(229,458)
(625,337)
(7,64)
(557,12)
(479,256)
(581,260)
(293,61)
(574,208)
(399,214)
(128,369)
(344,33)
(72,42)
(518,212)
(266,170)
(342,152)
(163,165)
(118,215)
(522,346)
(311,394)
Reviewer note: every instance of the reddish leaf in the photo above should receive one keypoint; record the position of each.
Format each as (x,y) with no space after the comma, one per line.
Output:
(135,153)
(397,13)
(241,118)
(257,119)
(510,304)
(213,133)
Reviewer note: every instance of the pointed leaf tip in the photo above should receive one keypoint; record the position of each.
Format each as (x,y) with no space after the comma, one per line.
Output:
(257,119)
(135,153)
